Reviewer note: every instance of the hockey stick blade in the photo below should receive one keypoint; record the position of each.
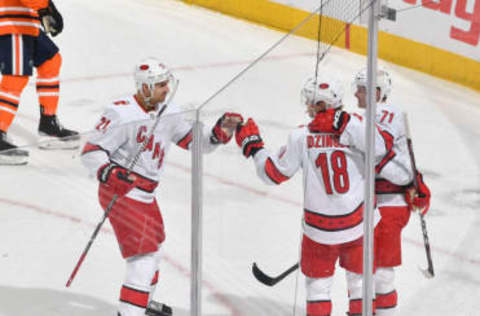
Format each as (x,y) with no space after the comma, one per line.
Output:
(426,272)
(268,280)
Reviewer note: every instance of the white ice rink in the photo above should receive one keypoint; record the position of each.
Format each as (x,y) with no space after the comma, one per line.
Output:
(48,209)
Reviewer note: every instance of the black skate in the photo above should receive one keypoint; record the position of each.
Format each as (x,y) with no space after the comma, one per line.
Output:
(54,136)
(11,154)
(158,309)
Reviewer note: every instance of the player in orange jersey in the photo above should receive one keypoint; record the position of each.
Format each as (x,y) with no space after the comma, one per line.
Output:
(24,44)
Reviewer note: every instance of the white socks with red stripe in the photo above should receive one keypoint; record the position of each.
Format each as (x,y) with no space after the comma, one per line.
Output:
(386,294)
(134,295)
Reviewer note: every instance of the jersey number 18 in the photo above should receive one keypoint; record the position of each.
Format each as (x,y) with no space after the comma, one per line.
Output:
(338,163)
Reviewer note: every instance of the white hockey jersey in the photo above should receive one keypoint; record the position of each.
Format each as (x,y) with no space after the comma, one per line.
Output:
(395,171)
(333,176)
(119,135)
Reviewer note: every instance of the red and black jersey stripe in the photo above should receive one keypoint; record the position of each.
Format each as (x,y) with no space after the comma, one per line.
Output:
(186,140)
(386,159)
(383,186)
(334,222)
(89,147)
(389,140)
(273,173)
(145,184)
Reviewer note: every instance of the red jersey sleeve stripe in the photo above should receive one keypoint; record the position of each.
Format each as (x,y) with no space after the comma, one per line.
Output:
(273,173)
(388,157)
(186,140)
(91,147)
(388,138)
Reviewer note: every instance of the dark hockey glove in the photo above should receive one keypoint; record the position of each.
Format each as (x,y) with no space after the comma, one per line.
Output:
(223,130)
(329,121)
(418,198)
(116,179)
(248,138)
(51,19)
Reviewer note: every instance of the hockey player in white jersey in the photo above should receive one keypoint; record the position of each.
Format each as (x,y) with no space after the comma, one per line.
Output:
(135,216)
(330,150)
(393,183)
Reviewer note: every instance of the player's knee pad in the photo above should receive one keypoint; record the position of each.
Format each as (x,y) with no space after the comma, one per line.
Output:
(13,84)
(141,270)
(354,284)
(318,288)
(51,67)
(386,295)
(384,280)
(318,296)
(135,291)
(159,254)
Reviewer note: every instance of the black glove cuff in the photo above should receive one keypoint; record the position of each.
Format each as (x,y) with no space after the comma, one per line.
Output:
(104,172)
(254,150)
(213,138)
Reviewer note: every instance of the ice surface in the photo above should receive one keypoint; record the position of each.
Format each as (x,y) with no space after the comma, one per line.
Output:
(49,207)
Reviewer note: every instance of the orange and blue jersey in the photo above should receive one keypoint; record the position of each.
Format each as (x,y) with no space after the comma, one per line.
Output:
(20,16)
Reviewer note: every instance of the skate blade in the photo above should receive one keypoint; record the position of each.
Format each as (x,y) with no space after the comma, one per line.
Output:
(13,160)
(54,143)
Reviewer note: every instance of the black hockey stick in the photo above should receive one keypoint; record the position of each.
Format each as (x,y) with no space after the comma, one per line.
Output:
(268,280)
(429,272)
(115,196)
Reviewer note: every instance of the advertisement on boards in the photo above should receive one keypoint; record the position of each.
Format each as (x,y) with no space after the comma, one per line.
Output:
(451,25)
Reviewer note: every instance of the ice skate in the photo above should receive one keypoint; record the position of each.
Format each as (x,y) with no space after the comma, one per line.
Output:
(158,309)
(11,154)
(54,136)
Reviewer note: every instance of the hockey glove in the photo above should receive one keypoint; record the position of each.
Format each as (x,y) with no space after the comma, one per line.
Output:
(51,19)
(419,198)
(116,179)
(329,121)
(223,130)
(248,138)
